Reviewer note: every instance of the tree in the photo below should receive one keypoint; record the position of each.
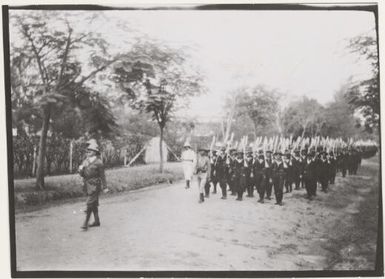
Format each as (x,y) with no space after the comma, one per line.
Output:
(365,95)
(257,106)
(339,116)
(45,68)
(303,118)
(157,81)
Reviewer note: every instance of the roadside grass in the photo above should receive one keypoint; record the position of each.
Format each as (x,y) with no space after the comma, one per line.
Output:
(66,187)
(353,240)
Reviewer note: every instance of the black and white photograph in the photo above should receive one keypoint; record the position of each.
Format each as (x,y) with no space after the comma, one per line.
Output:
(184,140)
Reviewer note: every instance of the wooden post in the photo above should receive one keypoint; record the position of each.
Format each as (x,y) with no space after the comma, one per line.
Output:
(125,157)
(34,160)
(71,150)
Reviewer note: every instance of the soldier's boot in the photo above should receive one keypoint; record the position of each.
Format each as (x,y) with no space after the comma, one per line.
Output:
(201,198)
(88,215)
(96,223)
(214,188)
(187,184)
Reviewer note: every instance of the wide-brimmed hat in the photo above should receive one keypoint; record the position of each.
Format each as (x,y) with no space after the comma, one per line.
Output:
(93,145)
(187,144)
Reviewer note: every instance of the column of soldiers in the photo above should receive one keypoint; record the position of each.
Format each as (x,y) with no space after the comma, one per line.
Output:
(242,171)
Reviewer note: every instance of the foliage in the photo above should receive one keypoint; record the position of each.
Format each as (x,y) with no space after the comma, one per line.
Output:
(255,110)
(48,79)
(303,118)
(365,95)
(155,82)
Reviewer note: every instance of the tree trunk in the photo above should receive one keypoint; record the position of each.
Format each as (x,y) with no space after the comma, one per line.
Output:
(42,150)
(161,149)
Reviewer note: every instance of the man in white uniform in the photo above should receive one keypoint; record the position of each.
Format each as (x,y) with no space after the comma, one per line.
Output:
(188,159)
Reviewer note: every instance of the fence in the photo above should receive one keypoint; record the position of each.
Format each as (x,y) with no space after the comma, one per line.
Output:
(64,155)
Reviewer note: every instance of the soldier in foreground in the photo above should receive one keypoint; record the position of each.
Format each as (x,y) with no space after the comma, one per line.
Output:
(92,171)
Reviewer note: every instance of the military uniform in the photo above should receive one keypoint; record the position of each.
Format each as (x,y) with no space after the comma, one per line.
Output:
(239,174)
(302,167)
(333,168)
(279,175)
(231,174)
(249,174)
(94,179)
(297,170)
(289,175)
(258,166)
(267,175)
(213,175)
(309,176)
(222,172)
(202,170)
(323,167)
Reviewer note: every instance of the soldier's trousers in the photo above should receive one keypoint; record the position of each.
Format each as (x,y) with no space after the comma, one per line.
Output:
(259,184)
(311,186)
(223,185)
(207,188)
(268,187)
(231,182)
(343,171)
(250,186)
(214,180)
(332,177)
(288,184)
(240,185)
(297,182)
(324,183)
(278,188)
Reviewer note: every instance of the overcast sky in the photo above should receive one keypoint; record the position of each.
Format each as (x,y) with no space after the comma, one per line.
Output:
(297,52)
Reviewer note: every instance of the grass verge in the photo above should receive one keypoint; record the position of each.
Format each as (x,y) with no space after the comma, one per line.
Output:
(67,187)
(353,240)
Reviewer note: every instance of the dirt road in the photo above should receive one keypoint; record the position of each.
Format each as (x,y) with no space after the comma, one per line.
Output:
(164,228)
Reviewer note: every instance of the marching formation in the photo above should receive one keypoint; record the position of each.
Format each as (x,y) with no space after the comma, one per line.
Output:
(273,165)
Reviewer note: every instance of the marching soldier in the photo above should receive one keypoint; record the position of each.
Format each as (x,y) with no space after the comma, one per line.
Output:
(323,171)
(221,171)
(231,173)
(309,175)
(343,162)
(267,174)
(302,166)
(188,159)
(289,177)
(258,166)
(214,179)
(239,174)
(212,157)
(297,169)
(333,167)
(279,173)
(249,174)
(203,171)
